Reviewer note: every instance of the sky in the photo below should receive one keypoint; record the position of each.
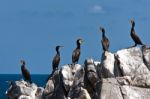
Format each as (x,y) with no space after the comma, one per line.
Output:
(30,30)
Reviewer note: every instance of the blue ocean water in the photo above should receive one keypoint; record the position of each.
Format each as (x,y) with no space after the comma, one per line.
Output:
(40,80)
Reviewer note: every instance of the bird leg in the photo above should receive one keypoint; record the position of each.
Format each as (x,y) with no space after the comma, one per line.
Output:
(135,45)
(132,46)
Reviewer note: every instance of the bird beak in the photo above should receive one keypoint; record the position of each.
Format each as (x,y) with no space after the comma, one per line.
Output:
(61,46)
(131,21)
(82,41)
(20,62)
(101,29)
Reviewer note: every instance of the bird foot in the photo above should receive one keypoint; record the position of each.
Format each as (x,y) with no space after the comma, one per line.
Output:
(131,46)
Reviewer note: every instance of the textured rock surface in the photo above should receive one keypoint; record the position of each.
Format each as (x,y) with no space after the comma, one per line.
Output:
(110,89)
(146,54)
(107,65)
(131,61)
(24,90)
(91,79)
(121,75)
(130,92)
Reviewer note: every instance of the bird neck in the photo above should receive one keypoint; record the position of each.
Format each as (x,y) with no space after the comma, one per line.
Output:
(133,25)
(23,66)
(58,51)
(78,46)
(132,29)
(103,34)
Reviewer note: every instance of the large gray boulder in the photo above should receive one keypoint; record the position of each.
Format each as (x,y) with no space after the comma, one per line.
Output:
(107,65)
(54,87)
(132,61)
(78,93)
(91,79)
(73,80)
(146,56)
(110,89)
(72,75)
(24,90)
(131,92)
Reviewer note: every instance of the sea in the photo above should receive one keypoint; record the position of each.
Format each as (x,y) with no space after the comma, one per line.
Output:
(39,79)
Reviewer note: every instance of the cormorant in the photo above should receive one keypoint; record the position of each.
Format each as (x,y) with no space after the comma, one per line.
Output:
(133,34)
(56,59)
(76,52)
(105,40)
(55,62)
(25,72)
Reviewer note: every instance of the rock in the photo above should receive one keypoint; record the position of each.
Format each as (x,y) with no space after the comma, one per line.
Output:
(24,97)
(72,75)
(110,89)
(130,92)
(49,88)
(51,83)
(24,90)
(107,65)
(68,77)
(138,80)
(131,61)
(80,93)
(74,82)
(91,79)
(122,75)
(53,88)
(146,55)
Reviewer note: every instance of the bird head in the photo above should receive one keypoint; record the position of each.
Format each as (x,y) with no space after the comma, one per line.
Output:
(57,47)
(132,22)
(102,29)
(22,62)
(80,41)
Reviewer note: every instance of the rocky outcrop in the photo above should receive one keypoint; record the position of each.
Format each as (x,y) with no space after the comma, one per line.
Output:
(121,75)
(24,90)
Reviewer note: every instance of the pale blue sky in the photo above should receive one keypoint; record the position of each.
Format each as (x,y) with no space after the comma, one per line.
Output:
(30,29)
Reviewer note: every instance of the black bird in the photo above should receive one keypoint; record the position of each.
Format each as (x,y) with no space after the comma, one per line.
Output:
(25,72)
(76,52)
(105,40)
(56,59)
(133,34)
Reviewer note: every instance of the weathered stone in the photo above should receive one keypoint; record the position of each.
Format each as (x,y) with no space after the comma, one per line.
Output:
(91,79)
(130,92)
(24,97)
(72,75)
(24,90)
(49,88)
(131,62)
(107,65)
(54,88)
(146,55)
(80,93)
(110,89)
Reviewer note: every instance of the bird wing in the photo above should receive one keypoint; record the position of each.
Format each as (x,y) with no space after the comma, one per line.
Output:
(105,44)
(75,55)
(26,74)
(56,61)
(135,37)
